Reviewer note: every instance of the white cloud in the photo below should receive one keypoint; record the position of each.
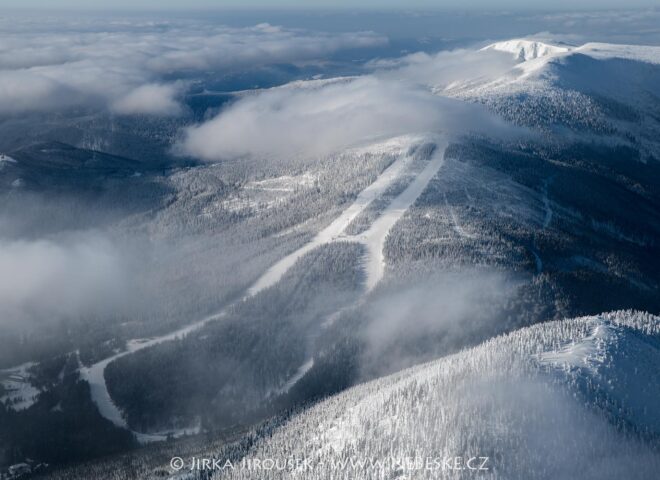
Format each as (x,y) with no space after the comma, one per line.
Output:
(46,279)
(445,68)
(262,44)
(151,99)
(23,92)
(126,65)
(311,121)
(315,118)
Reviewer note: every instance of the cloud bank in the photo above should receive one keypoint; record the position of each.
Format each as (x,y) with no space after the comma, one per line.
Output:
(132,67)
(151,99)
(45,280)
(315,118)
(445,313)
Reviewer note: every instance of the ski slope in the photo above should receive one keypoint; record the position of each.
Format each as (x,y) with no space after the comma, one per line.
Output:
(337,227)
(374,238)
(94,376)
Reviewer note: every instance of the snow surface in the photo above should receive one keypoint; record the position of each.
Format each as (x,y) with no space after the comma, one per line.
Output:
(598,88)
(524,49)
(622,365)
(640,53)
(20,393)
(539,67)
(541,402)
(545,70)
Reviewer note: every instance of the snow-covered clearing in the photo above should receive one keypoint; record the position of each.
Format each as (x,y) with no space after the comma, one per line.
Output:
(586,353)
(19,392)
(285,183)
(261,195)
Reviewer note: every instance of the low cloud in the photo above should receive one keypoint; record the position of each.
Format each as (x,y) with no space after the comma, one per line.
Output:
(259,45)
(446,68)
(303,121)
(133,67)
(315,118)
(45,280)
(21,91)
(152,99)
(442,315)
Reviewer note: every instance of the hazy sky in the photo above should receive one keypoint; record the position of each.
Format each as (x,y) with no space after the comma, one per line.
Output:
(461,4)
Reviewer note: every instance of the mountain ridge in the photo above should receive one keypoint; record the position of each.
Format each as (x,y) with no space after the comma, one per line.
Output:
(502,390)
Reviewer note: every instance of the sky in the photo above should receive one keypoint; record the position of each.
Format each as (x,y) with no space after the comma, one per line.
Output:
(403,4)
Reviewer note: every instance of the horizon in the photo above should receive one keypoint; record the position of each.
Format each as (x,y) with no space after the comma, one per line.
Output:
(408,29)
(482,6)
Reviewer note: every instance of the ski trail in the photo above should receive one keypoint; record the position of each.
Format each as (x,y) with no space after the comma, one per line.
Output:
(95,377)
(537,260)
(546,203)
(336,228)
(546,223)
(304,368)
(94,374)
(100,395)
(458,228)
(374,238)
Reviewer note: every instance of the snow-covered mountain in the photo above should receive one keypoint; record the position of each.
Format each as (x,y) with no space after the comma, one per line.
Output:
(597,88)
(523,49)
(557,400)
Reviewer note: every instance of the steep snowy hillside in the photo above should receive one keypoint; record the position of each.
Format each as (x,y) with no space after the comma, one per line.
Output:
(550,401)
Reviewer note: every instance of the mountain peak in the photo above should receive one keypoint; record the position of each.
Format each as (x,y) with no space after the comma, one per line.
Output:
(524,49)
